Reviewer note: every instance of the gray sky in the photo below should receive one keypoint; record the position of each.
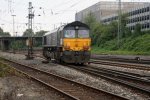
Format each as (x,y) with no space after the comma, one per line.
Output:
(53,12)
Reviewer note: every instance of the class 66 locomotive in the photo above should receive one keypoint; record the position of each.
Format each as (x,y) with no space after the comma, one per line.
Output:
(69,43)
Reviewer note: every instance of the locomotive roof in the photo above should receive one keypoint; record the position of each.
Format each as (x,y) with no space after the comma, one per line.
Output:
(55,30)
(76,23)
(73,24)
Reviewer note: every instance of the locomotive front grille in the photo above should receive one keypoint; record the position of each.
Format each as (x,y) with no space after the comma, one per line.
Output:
(76,56)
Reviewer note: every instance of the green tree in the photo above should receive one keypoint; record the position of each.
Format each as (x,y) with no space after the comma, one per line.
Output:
(6,34)
(28,32)
(18,44)
(125,31)
(137,30)
(40,33)
(90,20)
(2,33)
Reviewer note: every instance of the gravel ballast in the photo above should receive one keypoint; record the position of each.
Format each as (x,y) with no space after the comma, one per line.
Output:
(80,77)
(21,88)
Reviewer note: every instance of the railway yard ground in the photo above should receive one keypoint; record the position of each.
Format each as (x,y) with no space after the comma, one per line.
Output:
(19,87)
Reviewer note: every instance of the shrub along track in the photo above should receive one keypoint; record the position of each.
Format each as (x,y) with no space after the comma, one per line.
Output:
(134,81)
(70,89)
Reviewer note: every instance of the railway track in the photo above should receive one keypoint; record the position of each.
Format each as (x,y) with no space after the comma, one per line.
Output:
(132,80)
(69,88)
(120,64)
(128,79)
(136,60)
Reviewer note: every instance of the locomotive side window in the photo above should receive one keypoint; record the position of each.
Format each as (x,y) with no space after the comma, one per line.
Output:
(69,33)
(83,33)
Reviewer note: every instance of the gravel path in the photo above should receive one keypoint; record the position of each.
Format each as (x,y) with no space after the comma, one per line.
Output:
(79,77)
(18,88)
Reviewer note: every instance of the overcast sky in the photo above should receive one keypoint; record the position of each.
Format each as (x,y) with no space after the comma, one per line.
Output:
(53,12)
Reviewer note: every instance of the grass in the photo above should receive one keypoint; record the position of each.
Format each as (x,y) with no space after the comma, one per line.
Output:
(139,45)
(97,50)
(6,70)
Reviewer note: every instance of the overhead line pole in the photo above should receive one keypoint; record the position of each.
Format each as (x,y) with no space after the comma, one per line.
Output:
(14,32)
(119,23)
(30,40)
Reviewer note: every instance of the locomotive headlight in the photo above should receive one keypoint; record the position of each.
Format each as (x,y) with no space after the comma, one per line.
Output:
(77,27)
(67,47)
(86,48)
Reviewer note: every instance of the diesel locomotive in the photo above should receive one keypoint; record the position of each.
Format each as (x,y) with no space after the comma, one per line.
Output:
(69,43)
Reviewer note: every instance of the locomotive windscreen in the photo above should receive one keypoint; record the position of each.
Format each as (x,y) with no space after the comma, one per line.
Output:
(72,32)
(69,33)
(83,33)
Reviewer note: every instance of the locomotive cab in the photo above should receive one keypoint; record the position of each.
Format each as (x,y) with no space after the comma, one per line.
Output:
(76,44)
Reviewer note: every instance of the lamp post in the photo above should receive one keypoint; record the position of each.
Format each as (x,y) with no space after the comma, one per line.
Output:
(14,31)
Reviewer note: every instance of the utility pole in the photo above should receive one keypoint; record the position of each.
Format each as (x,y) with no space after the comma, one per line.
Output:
(14,31)
(30,40)
(119,23)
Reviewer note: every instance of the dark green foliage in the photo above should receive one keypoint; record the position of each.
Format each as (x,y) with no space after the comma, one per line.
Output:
(101,33)
(37,42)
(105,37)
(6,34)
(28,33)
(19,44)
(138,45)
(40,33)
(137,31)
(2,33)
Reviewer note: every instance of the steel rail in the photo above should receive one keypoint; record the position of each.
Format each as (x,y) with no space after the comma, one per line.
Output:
(109,95)
(120,64)
(116,77)
(135,60)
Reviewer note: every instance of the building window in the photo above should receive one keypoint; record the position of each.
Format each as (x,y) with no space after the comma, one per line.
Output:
(136,12)
(129,21)
(147,17)
(140,10)
(138,19)
(143,26)
(133,20)
(147,9)
(142,18)
(147,25)
(132,13)
(132,27)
